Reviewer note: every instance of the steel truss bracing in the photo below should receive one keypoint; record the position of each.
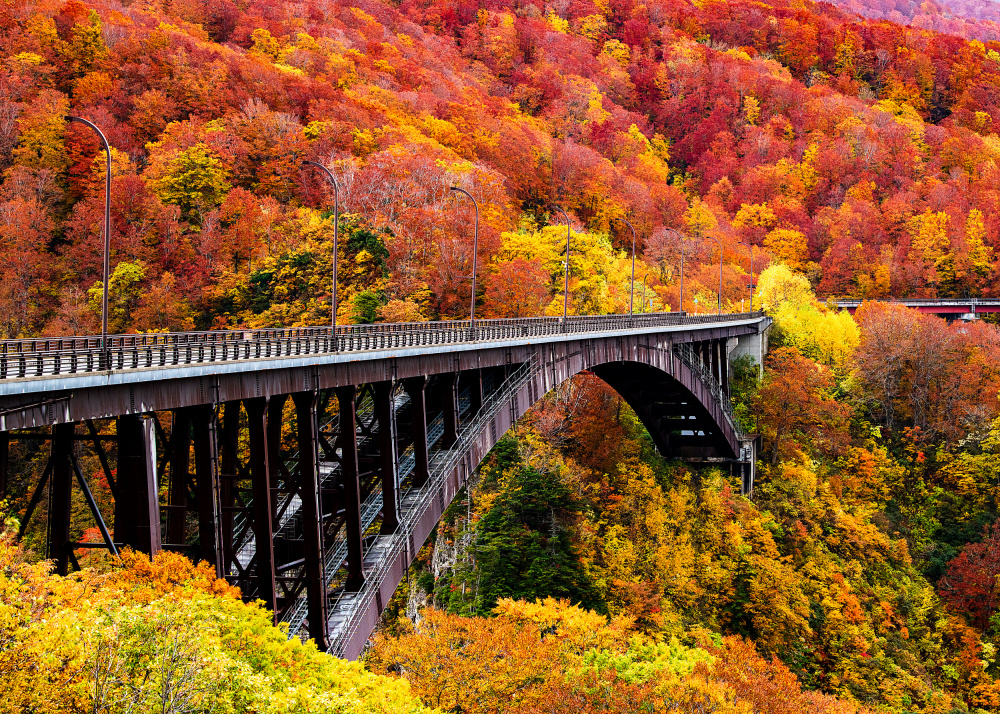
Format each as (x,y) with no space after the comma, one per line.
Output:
(311,485)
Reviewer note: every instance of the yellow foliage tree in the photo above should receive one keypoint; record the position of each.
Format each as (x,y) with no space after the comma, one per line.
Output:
(789,246)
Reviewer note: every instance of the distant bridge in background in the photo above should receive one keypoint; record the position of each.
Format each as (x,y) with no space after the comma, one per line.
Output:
(389,423)
(950,308)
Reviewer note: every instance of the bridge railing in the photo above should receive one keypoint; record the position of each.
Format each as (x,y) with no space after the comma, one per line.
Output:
(20,359)
(704,374)
(854,302)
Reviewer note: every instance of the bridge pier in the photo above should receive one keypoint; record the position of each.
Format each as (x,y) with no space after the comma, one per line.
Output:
(61,487)
(137,508)
(177,493)
(207,497)
(386,414)
(348,443)
(308,487)
(263,524)
(416,390)
(448,393)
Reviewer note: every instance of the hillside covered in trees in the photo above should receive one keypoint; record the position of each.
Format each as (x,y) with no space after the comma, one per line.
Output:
(582,572)
(858,151)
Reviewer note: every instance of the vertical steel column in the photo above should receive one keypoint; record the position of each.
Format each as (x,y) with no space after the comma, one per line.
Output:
(415,388)
(137,508)
(180,455)
(352,489)
(263,527)
(229,444)
(206,471)
(4,462)
(275,418)
(308,482)
(387,456)
(61,497)
(475,392)
(449,404)
(724,368)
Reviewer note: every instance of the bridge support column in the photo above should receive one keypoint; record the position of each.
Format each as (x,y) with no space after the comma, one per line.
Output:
(416,389)
(260,475)
(229,444)
(449,405)
(61,495)
(475,392)
(385,413)
(4,462)
(206,472)
(308,483)
(177,495)
(352,489)
(137,508)
(275,418)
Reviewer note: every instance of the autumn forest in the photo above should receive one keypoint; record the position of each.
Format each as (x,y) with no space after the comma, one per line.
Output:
(792,152)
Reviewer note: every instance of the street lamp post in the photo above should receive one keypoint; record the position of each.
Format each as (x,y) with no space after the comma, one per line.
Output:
(105,352)
(750,248)
(566,277)
(680,242)
(631,285)
(336,237)
(475,260)
(719,241)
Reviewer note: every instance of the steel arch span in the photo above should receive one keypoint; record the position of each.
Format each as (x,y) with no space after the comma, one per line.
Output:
(389,422)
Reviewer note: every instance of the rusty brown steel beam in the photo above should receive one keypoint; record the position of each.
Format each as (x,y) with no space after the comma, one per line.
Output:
(448,392)
(229,443)
(348,443)
(204,422)
(386,415)
(137,510)
(60,497)
(180,458)
(260,474)
(309,492)
(416,389)
(4,463)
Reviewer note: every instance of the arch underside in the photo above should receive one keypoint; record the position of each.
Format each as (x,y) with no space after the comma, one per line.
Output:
(680,425)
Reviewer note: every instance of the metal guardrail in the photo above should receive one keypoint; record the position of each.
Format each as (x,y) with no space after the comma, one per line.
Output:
(20,359)
(704,374)
(446,461)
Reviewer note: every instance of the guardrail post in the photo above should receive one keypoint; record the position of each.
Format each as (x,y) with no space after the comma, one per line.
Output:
(206,463)
(308,487)
(137,508)
(263,529)
(177,496)
(385,414)
(61,497)
(416,389)
(348,441)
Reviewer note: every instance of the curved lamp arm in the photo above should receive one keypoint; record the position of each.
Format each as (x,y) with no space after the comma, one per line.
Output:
(475,256)
(336,237)
(107,229)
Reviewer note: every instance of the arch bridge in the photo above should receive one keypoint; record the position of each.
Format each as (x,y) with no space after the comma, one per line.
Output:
(388,422)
